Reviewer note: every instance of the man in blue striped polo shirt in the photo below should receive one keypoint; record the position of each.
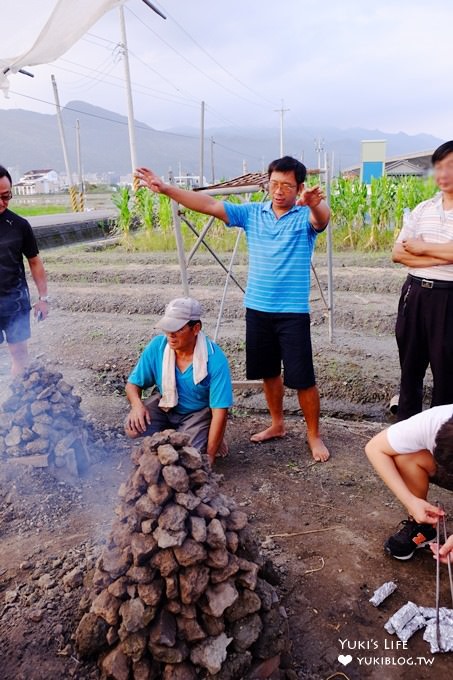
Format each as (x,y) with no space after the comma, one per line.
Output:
(280,234)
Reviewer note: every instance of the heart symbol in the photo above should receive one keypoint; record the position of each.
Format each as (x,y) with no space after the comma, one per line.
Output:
(345,659)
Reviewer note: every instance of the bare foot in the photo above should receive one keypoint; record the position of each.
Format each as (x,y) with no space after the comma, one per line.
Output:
(271,432)
(318,449)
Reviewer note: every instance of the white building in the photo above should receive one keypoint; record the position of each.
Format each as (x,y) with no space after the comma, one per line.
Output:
(37,182)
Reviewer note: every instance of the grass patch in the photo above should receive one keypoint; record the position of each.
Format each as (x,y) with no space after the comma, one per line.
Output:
(33,210)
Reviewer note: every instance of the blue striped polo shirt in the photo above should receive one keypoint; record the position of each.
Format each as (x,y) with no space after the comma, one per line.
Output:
(280,251)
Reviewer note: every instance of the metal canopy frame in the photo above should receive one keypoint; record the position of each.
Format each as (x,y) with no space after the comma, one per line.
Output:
(243,192)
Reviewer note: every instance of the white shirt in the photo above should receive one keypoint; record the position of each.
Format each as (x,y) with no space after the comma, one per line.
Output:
(420,431)
(430,221)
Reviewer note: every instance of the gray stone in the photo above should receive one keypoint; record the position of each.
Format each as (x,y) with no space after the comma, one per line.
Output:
(247,603)
(173,517)
(246,631)
(134,645)
(14,436)
(167,454)
(211,653)
(187,500)
(197,527)
(169,539)
(150,467)
(191,458)
(115,561)
(165,562)
(236,521)
(73,579)
(221,596)
(176,477)
(142,547)
(160,493)
(132,613)
(172,655)
(215,534)
(141,574)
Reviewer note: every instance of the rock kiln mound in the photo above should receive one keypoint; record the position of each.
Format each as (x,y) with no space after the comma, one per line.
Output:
(181,591)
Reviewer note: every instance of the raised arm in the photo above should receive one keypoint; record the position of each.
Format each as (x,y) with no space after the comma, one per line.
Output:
(319,210)
(194,200)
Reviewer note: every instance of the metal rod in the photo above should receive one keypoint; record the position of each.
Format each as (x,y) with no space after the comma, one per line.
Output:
(201,182)
(180,247)
(217,259)
(450,577)
(329,260)
(199,241)
(130,106)
(227,280)
(439,643)
(151,6)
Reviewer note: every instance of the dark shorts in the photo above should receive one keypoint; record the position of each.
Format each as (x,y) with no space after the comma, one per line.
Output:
(16,328)
(273,338)
(195,424)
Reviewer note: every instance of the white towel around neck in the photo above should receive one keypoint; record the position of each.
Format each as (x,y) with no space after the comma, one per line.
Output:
(200,371)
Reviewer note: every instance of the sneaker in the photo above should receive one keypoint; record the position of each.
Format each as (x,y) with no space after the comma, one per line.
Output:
(409,538)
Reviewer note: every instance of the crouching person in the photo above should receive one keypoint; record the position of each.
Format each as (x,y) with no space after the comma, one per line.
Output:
(408,456)
(192,377)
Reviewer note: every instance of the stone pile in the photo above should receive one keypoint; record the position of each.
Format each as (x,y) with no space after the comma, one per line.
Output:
(41,423)
(180,590)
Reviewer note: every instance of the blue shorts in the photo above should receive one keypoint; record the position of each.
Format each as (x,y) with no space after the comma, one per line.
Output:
(273,338)
(15,328)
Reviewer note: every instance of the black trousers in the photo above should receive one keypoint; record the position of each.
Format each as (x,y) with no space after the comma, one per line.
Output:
(424,334)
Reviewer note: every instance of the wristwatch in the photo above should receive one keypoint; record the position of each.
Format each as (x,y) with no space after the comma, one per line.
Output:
(44,298)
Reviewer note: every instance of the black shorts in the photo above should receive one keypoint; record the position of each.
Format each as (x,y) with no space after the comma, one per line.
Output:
(273,338)
(16,328)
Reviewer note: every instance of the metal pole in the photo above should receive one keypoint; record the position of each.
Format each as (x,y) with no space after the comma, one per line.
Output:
(212,160)
(72,191)
(281,111)
(329,258)
(227,280)
(130,107)
(180,247)
(79,168)
(202,146)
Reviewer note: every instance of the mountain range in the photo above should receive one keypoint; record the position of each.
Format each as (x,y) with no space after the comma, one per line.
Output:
(31,140)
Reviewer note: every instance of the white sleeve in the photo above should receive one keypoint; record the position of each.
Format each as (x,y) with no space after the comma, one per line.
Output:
(419,432)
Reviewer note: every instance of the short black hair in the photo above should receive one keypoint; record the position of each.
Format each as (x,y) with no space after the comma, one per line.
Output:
(288,164)
(4,173)
(442,151)
(193,323)
(443,447)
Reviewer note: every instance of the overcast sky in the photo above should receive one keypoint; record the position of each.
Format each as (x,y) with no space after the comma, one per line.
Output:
(386,65)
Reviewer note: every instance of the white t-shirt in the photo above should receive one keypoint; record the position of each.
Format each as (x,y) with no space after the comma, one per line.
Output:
(419,432)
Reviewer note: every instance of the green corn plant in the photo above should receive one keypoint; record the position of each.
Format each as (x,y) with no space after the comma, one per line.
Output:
(144,207)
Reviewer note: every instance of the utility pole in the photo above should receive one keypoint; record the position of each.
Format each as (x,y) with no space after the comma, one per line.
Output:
(79,168)
(319,148)
(127,75)
(202,145)
(282,112)
(212,160)
(72,189)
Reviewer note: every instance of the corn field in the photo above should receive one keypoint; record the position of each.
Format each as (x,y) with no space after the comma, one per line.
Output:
(363,218)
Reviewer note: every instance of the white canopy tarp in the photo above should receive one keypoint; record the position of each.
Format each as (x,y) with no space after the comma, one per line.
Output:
(69,21)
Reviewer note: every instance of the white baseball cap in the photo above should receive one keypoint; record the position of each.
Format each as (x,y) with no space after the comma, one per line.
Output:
(178,312)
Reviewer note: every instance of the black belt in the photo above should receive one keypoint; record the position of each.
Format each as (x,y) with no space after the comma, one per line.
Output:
(430,283)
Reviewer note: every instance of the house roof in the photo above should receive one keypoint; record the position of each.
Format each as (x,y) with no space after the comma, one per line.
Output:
(249,179)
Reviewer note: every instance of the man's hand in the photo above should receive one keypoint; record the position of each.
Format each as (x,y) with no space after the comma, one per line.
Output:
(148,178)
(41,310)
(445,551)
(415,246)
(423,512)
(311,197)
(138,419)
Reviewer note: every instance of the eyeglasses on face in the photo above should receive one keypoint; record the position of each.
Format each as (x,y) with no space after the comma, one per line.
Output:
(6,196)
(286,187)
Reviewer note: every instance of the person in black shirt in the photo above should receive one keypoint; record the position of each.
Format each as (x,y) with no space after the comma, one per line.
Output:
(16,241)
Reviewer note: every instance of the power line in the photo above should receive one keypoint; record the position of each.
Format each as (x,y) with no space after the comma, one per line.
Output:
(206,75)
(257,94)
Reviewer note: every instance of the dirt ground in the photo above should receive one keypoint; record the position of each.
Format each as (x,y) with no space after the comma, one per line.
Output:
(323,525)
